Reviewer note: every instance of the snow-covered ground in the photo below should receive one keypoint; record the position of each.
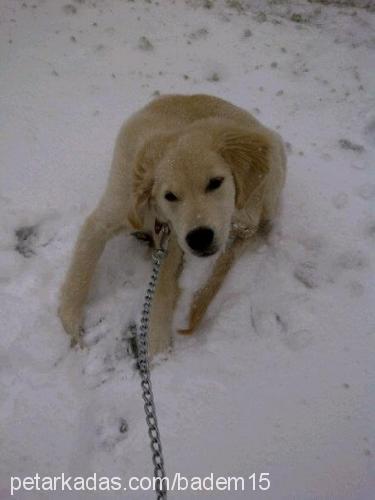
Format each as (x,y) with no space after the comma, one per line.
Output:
(280,377)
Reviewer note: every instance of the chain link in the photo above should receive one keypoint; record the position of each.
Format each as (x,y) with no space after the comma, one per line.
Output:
(144,370)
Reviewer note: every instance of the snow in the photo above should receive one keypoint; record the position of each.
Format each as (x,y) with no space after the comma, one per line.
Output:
(280,376)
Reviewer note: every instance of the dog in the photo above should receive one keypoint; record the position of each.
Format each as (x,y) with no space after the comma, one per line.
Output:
(198,163)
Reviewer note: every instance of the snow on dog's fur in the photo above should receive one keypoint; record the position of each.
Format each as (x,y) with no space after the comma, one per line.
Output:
(203,166)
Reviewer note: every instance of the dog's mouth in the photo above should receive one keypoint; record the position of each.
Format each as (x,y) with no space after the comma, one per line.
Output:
(205,253)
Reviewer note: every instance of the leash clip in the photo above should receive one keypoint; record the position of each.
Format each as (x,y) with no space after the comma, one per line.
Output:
(162,232)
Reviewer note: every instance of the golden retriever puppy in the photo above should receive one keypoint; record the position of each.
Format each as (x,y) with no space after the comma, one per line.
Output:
(204,166)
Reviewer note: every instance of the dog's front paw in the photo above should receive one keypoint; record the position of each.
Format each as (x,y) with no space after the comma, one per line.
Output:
(158,343)
(71,319)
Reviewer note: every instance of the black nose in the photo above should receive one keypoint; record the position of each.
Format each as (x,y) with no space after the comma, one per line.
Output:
(200,239)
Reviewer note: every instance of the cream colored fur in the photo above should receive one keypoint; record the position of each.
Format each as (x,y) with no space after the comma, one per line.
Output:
(177,144)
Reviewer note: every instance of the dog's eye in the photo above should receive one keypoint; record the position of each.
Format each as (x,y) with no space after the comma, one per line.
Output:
(170,196)
(214,183)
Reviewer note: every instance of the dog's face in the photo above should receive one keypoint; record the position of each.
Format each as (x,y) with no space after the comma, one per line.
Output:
(194,192)
(196,182)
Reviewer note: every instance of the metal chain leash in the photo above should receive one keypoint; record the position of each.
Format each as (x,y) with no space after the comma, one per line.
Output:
(158,255)
(161,234)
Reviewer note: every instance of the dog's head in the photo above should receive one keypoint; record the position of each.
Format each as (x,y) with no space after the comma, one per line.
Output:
(195,181)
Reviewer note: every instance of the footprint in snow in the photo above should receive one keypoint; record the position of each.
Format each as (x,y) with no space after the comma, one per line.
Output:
(307,274)
(351,146)
(266,323)
(109,431)
(352,260)
(340,200)
(366,192)
(96,332)
(26,238)
(105,357)
(294,340)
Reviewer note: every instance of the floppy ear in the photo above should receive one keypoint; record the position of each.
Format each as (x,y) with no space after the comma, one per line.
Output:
(146,159)
(247,153)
